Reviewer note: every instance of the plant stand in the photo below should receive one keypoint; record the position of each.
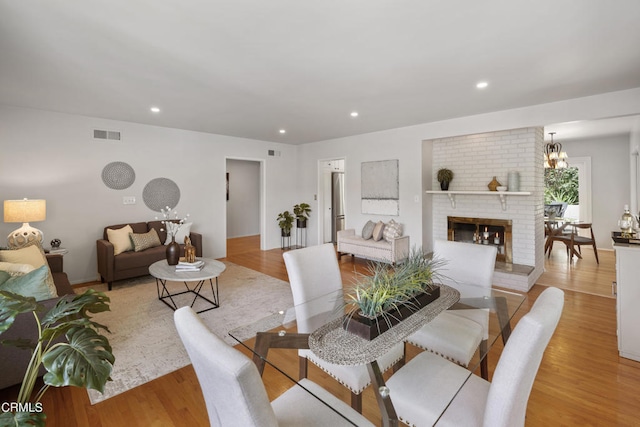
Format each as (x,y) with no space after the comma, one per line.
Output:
(301,237)
(285,241)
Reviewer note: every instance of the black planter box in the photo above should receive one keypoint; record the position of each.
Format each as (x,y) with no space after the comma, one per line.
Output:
(368,328)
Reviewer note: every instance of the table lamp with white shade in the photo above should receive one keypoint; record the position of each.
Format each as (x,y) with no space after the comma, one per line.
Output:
(24,211)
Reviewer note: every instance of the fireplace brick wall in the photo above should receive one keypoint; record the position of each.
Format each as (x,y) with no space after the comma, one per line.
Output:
(475,160)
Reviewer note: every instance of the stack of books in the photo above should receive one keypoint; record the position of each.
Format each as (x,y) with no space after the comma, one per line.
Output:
(190,266)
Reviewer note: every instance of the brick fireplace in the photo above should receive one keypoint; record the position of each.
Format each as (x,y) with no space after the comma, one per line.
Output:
(475,160)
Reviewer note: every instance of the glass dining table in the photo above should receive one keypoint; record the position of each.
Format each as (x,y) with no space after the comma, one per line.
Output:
(318,325)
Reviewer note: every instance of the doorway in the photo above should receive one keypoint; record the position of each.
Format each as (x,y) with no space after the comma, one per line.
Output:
(244,199)
(331,200)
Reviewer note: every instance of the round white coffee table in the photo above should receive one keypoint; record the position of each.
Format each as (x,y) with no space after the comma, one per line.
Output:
(164,272)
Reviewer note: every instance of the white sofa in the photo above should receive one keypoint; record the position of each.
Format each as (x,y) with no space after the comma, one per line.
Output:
(382,250)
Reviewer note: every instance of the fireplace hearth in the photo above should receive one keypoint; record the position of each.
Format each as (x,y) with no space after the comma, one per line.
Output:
(483,231)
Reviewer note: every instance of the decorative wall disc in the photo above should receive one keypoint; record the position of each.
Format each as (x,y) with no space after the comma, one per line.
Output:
(118,175)
(160,193)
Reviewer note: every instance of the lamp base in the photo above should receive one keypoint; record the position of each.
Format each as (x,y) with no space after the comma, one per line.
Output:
(24,236)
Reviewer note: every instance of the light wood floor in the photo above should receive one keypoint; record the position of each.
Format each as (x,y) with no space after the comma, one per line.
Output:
(581,382)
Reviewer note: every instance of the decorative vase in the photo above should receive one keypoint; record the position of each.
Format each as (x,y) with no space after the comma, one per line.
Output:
(444,185)
(513,181)
(494,184)
(173,252)
(369,328)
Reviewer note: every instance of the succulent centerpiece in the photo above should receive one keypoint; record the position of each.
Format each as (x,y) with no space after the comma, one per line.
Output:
(387,294)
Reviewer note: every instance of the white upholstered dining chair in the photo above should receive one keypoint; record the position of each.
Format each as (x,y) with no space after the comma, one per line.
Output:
(422,388)
(313,272)
(457,334)
(233,389)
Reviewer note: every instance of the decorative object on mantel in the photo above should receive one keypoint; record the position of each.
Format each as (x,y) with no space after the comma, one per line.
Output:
(554,157)
(160,192)
(494,184)
(513,181)
(388,294)
(501,188)
(172,224)
(445,176)
(380,187)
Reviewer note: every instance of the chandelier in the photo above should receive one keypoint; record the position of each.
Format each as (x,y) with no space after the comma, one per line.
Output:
(554,157)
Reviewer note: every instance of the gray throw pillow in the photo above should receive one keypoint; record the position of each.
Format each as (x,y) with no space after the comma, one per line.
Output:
(367,230)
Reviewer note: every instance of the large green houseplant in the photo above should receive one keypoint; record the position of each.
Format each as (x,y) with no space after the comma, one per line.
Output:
(84,359)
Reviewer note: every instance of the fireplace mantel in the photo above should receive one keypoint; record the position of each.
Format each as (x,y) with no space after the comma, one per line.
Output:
(502,195)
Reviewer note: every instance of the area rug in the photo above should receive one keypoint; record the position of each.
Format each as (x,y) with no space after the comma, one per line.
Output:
(143,336)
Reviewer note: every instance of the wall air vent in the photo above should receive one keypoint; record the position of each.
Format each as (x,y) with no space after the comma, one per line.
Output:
(106,134)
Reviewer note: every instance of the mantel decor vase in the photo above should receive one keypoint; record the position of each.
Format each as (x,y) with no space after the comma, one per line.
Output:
(173,252)
(494,184)
(369,328)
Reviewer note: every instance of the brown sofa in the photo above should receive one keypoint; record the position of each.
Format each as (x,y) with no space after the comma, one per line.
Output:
(13,360)
(134,264)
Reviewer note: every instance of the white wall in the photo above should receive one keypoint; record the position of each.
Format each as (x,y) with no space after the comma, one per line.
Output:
(53,156)
(610,184)
(243,206)
(61,163)
(406,144)
(355,150)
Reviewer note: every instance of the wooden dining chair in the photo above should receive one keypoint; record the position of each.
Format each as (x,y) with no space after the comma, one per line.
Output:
(577,241)
(235,394)
(573,240)
(427,385)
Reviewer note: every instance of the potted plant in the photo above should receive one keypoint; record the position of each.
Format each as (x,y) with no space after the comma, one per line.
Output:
(445,176)
(387,294)
(285,221)
(84,359)
(301,211)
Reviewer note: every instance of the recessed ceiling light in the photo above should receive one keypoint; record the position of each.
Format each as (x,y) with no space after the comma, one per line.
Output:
(354,114)
(482,85)
(283,131)
(155,110)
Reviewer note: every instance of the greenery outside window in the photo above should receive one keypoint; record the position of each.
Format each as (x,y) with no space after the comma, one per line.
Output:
(561,185)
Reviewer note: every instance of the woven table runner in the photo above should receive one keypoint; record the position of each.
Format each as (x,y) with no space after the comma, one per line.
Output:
(335,345)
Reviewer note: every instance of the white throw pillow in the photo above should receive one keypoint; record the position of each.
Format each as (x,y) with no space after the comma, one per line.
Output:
(183,231)
(120,239)
(392,230)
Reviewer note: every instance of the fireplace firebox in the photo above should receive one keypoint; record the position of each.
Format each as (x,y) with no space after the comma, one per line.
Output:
(483,231)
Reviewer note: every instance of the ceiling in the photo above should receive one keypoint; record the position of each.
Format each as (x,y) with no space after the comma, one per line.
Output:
(249,68)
